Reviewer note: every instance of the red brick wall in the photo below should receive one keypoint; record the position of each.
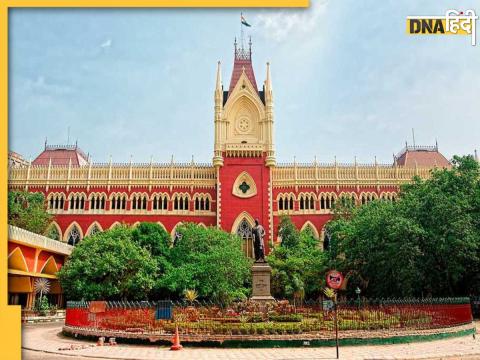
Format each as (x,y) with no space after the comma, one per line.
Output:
(231,205)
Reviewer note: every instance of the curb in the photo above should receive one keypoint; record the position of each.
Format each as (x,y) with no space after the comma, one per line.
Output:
(278,343)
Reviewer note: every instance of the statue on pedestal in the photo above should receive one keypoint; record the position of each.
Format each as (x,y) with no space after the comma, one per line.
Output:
(258,233)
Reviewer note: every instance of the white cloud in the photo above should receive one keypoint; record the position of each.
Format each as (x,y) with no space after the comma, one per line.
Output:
(106,44)
(279,24)
(40,85)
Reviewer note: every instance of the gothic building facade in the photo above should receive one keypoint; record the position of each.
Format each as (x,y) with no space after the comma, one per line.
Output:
(243,183)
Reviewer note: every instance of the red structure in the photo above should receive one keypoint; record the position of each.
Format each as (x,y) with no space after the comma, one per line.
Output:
(32,257)
(242,183)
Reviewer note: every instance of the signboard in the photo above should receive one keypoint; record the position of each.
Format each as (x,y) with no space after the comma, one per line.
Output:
(334,279)
(97,307)
(327,305)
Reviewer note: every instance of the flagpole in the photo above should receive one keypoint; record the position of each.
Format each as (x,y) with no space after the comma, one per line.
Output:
(241,32)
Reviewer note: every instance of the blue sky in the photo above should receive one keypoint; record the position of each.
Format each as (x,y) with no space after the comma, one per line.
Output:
(347,80)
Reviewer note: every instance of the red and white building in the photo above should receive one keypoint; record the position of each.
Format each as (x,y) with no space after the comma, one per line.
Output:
(244,182)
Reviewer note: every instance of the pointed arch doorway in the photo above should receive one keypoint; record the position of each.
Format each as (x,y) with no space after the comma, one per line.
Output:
(243,228)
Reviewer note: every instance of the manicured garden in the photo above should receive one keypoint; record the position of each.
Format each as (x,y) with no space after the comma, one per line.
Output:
(276,318)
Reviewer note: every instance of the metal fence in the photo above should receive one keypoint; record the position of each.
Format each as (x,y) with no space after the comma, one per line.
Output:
(279,317)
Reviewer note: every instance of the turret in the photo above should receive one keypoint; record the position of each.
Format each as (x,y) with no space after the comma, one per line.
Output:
(270,160)
(244,113)
(217,158)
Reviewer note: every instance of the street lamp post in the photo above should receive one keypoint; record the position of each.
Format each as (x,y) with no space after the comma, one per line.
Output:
(358,291)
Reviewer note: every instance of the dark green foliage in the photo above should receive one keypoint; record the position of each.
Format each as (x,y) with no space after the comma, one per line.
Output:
(425,244)
(27,211)
(298,264)
(108,265)
(152,237)
(140,263)
(209,260)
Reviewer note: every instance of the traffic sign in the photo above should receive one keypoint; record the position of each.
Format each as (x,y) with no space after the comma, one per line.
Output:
(334,279)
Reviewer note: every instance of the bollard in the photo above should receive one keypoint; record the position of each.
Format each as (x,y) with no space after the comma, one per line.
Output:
(101,341)
(112,341)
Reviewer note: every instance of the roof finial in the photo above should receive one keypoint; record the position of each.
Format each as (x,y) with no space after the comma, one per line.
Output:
(476,154)
(219,76)
(436,144)
(45,143)
(268,80)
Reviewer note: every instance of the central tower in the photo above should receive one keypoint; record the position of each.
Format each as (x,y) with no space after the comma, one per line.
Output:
(244,151)
(243,114)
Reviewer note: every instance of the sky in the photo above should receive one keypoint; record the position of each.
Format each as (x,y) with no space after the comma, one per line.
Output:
(138,83)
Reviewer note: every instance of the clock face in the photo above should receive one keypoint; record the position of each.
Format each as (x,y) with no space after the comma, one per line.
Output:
(243,124)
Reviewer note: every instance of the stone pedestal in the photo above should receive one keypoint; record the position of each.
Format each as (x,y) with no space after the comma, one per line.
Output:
(261,273)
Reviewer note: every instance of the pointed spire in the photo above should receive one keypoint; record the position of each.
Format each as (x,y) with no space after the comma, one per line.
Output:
(45,143)
(268,80)
(218,85)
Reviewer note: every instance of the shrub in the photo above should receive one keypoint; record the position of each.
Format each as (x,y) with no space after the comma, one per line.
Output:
(286,318)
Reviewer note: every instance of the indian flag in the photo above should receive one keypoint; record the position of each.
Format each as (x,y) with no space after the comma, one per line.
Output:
(244,22)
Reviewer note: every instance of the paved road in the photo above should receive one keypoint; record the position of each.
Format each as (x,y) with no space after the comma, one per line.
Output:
(45,339)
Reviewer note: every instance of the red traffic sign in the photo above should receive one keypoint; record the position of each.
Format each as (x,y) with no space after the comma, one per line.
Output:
(334,279)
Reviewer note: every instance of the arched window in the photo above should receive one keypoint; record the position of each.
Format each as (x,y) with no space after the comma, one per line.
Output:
(73,236)
(56,201)
(94,230)
(286,202)
(139,201)
(160,202)
(118,201)
(180,202)
(307,202)
(97,201)
(77,201)
(202,202)
(244,231)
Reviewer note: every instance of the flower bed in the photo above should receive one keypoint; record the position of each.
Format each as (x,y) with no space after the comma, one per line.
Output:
(275,319)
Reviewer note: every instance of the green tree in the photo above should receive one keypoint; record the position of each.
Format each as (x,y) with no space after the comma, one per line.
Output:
(209,260)
(298,263)
(427,243)
(27,211)
(108,265)
(153,238)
